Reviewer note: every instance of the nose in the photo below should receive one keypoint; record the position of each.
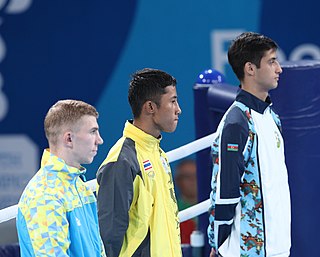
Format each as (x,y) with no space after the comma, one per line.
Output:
(279,69)
(179,111)
(99,139)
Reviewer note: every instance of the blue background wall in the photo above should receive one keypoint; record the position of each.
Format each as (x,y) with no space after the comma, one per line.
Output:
(87,50)
(80,49)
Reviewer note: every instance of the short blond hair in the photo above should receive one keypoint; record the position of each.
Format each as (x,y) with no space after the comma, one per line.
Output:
(65,113)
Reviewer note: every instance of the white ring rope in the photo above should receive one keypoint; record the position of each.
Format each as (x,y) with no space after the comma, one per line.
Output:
(173,155)
(8,213)
(194,211)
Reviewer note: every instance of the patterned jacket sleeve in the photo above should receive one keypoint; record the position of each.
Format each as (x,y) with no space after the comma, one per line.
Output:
(47,226)
(228,167)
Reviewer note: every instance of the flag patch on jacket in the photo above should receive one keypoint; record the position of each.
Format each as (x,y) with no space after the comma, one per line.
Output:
(147,165)
(232,147)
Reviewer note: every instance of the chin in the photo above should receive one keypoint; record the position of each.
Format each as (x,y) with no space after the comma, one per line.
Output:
(173,129)
(88,161)
(273,86)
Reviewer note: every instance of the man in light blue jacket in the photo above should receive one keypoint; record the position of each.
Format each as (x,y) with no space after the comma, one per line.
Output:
(57,212)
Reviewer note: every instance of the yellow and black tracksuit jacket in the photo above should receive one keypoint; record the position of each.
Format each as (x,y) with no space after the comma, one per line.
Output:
(137,209)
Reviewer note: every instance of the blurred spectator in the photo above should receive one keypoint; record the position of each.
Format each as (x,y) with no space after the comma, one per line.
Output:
(186,185)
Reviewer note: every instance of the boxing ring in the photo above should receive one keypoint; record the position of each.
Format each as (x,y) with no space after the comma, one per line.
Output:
(9,213)
(297,100)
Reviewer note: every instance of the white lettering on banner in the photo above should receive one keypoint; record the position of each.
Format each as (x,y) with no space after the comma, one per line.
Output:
(4,106)
(19,162)
(11,7)
(221,39)
(305,50)
(219,47)
(17,6)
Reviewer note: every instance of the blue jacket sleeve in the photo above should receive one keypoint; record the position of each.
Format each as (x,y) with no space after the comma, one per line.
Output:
(228,170)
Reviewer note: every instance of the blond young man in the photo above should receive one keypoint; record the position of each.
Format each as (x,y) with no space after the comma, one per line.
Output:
(57,214)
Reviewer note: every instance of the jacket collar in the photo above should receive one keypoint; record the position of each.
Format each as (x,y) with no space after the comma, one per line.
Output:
(253,102)
(54,163)
(140,137)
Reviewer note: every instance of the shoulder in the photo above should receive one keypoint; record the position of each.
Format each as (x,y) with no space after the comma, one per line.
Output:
(236,117)
(121,158)
(39,194)
(123,149)
(274,113)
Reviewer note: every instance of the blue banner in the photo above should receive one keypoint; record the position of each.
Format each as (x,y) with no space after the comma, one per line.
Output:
(86,50)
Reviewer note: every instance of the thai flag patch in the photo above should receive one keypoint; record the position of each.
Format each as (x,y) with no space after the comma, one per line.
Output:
(147,165)
(232,147)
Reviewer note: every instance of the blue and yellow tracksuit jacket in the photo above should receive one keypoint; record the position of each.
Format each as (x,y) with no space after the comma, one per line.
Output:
(137,206)
(57,214)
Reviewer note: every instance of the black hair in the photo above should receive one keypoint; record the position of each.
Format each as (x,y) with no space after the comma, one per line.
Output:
(248,47)
(148,85)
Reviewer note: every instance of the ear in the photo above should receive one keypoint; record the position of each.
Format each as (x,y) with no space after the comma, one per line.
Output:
(150,106)
(249,68)
(67,138)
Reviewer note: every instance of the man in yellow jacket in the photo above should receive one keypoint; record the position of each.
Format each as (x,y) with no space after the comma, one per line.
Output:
(137,207)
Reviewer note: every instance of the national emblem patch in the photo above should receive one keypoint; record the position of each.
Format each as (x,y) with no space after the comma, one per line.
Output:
(232,147)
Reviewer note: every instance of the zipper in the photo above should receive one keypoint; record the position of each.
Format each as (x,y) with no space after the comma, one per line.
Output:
(163,193)
(263,210)
(83,211)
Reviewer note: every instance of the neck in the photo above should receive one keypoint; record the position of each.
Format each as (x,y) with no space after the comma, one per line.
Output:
(262,95)
(144,126)
(64,156)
